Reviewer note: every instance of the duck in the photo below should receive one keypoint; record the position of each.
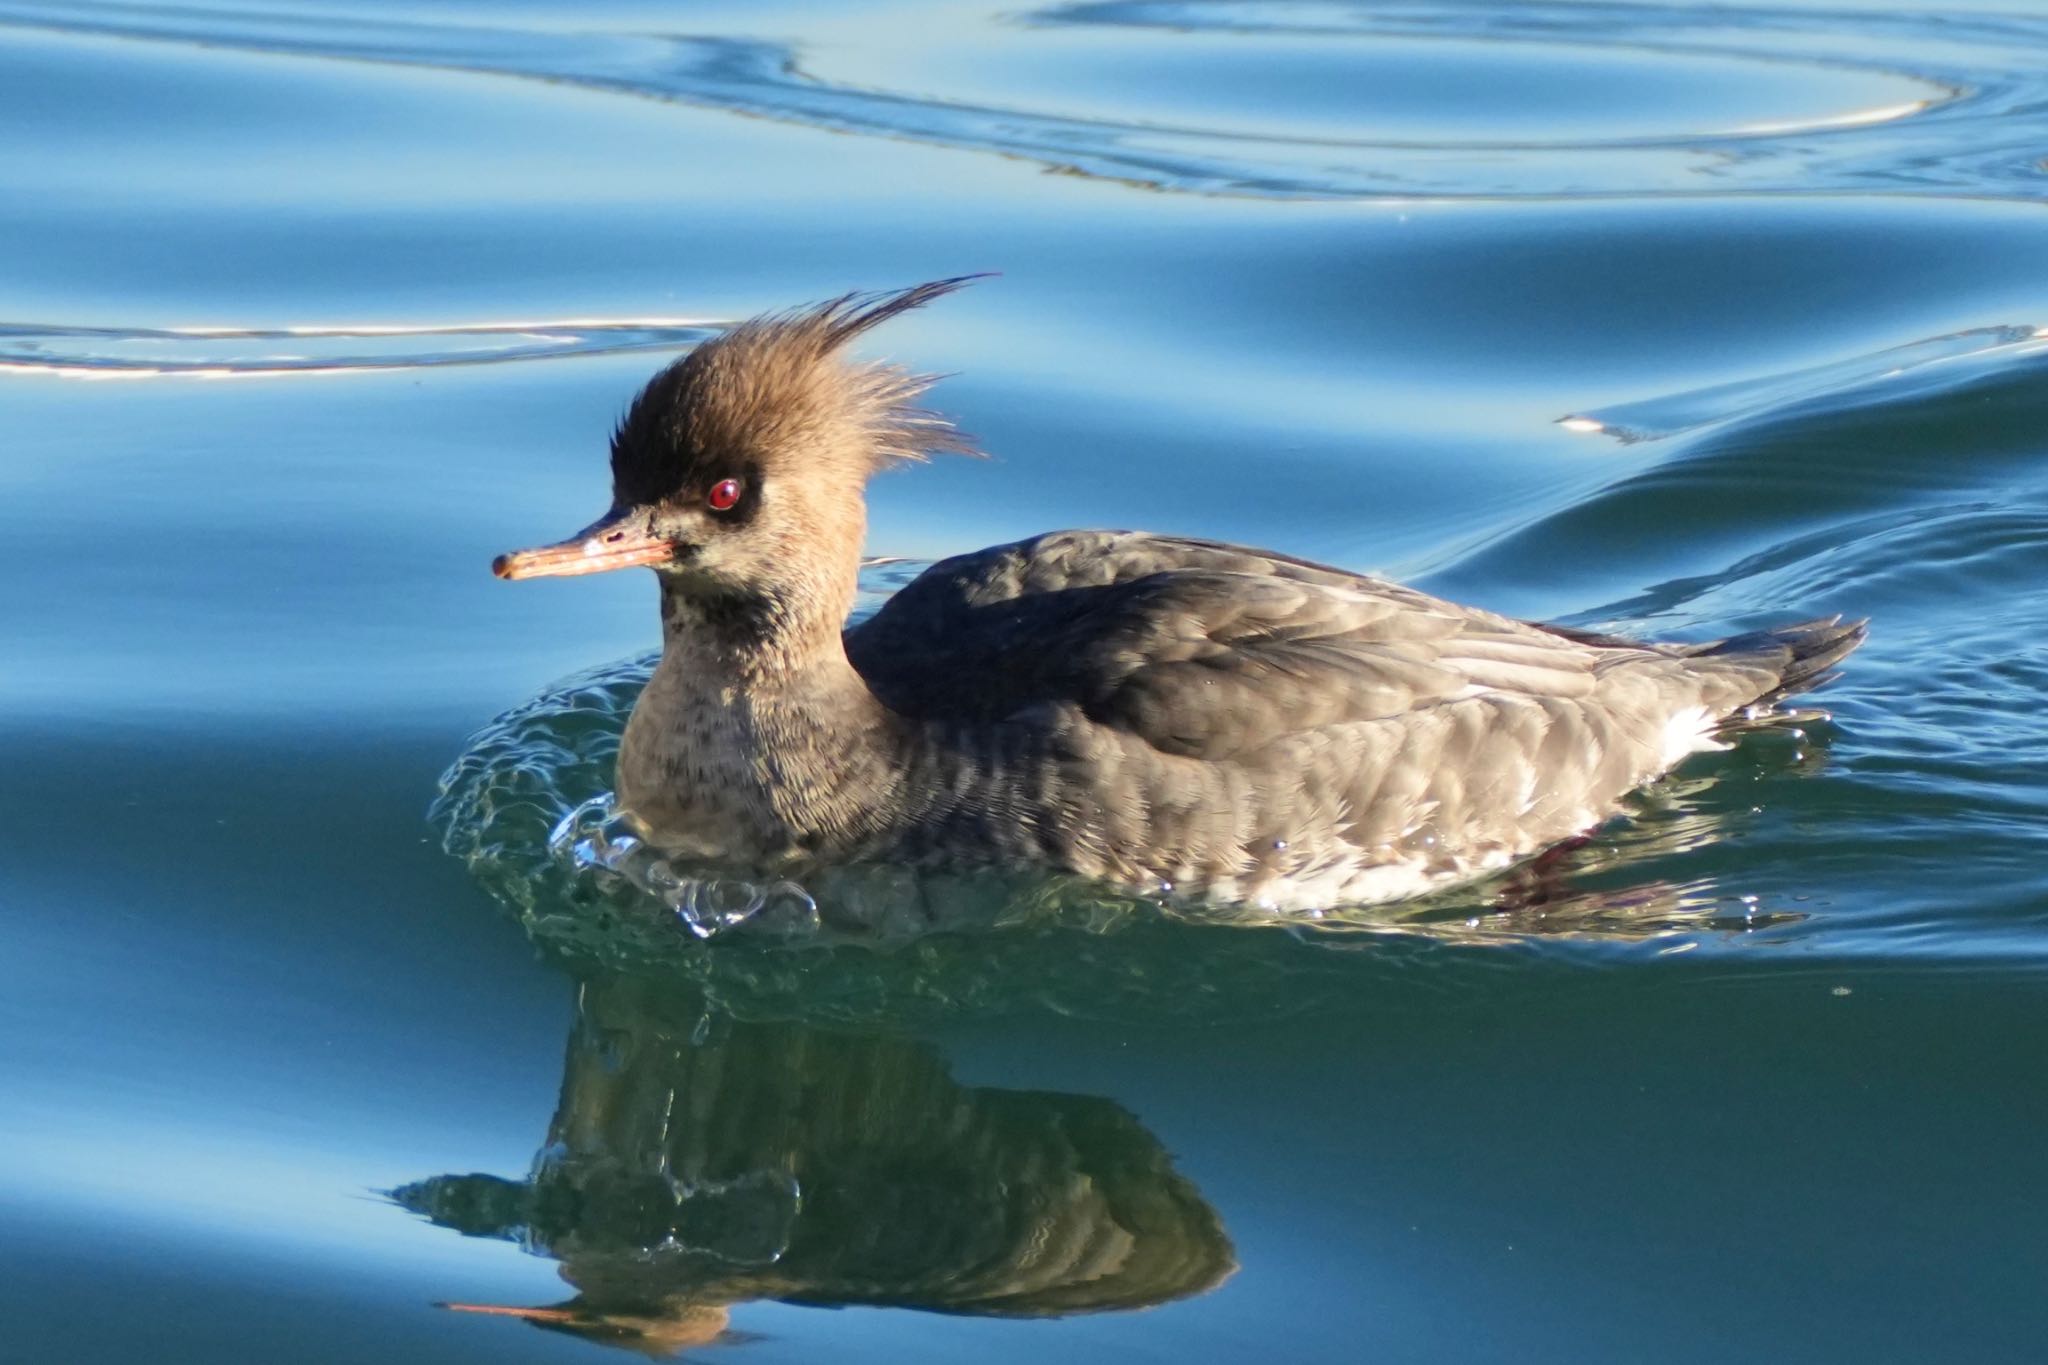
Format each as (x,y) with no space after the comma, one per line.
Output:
(1155,714)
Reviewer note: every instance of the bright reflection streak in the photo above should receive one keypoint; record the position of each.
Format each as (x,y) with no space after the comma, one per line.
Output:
(1858,118)
(97,353)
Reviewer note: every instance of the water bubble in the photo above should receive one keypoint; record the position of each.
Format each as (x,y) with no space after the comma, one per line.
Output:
(710,906)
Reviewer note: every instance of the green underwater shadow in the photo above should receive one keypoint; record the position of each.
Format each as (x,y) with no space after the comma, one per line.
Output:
(694,1163)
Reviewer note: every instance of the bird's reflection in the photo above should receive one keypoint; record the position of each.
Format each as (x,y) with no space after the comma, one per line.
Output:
(696,1163)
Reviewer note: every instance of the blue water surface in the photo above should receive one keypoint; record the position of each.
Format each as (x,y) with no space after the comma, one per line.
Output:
(1677,320)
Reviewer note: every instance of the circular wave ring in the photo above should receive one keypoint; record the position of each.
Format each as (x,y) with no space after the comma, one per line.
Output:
(1977,131)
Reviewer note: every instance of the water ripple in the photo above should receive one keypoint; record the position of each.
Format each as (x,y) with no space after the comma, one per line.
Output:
(1910,486)
(1976,125)
(1932,364)
(233,352)
(1761,466)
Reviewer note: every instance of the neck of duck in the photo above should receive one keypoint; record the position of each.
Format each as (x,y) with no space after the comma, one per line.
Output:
(756,739)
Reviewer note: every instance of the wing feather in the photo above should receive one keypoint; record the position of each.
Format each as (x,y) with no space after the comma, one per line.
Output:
(1201,650)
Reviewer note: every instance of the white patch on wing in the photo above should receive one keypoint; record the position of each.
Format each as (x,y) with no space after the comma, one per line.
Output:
(1688,732)
(1342,883)
(1348,882)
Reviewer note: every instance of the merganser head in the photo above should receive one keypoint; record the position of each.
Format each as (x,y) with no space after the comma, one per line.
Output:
(739,470)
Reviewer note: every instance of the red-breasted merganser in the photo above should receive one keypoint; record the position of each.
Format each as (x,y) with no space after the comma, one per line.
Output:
(1155,713)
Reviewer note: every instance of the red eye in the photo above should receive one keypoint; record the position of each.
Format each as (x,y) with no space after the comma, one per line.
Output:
(723,495)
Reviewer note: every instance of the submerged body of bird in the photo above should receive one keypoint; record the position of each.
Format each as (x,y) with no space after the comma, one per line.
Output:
(1152,713)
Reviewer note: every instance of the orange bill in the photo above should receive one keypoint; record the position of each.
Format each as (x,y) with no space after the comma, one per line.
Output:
(603,545)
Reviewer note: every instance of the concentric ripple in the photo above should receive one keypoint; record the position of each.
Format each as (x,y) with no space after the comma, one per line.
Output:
(227,353)
(1939,102)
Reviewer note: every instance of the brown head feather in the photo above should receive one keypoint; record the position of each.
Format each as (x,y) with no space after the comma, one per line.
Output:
(774,391)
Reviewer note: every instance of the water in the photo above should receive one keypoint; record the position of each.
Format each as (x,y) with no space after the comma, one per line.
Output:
(1678,320)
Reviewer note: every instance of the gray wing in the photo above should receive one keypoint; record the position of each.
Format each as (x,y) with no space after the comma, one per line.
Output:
(1203,650)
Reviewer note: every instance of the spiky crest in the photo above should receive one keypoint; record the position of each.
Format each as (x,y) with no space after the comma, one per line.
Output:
(774,391)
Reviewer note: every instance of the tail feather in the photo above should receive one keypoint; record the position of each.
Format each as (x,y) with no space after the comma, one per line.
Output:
(1803,655)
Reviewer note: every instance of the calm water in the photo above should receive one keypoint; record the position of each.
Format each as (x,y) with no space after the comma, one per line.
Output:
(1666,319)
